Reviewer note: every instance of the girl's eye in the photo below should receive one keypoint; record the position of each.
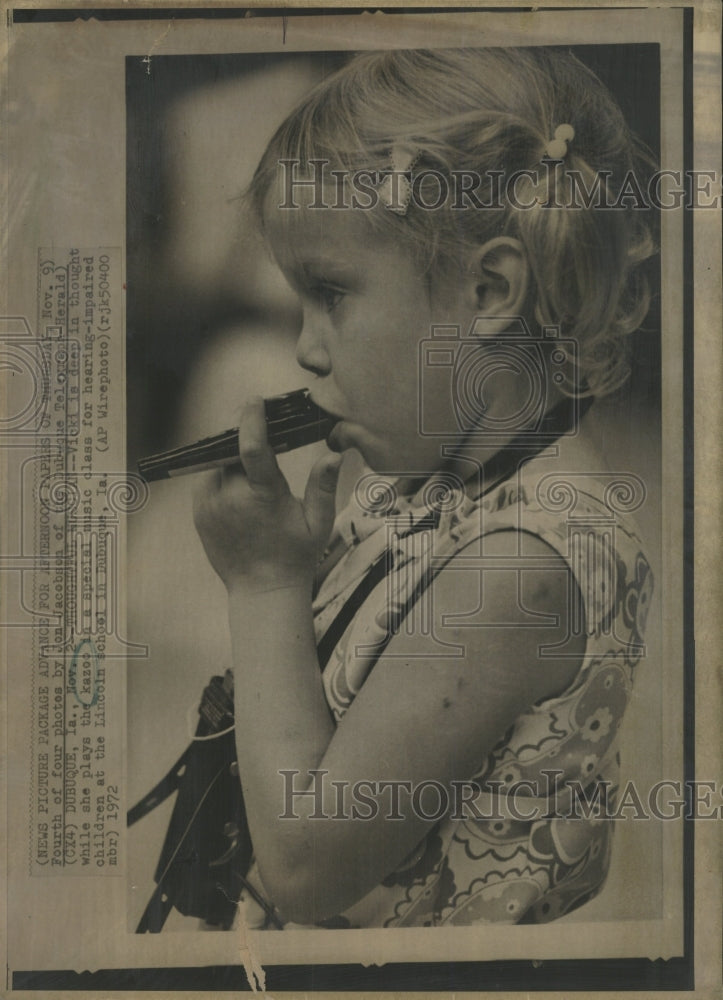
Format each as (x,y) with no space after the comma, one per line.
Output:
(328,296)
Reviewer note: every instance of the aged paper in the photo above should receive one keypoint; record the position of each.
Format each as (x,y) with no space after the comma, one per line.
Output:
(140,308)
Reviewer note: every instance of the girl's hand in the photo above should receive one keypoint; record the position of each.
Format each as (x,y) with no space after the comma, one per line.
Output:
(258,536)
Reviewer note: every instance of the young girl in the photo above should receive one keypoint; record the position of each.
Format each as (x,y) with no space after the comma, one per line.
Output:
(420,682)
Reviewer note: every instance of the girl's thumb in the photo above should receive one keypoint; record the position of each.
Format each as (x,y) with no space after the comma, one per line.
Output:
(319,497)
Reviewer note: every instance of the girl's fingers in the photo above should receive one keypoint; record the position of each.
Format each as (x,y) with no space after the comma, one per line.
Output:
(258,460)
(320,496)
(208,484)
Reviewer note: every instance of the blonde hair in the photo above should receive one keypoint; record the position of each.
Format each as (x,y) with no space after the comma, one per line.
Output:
(487,111)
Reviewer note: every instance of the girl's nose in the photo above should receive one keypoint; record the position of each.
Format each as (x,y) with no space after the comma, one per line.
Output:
(311,352)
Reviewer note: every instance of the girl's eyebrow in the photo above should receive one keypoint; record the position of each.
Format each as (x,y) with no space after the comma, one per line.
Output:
(310,265)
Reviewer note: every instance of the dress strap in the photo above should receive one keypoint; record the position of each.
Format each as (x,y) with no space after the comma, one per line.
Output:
(372,578)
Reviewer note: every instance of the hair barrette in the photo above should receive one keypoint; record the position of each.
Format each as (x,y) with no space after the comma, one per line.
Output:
(402,158)
(556,149)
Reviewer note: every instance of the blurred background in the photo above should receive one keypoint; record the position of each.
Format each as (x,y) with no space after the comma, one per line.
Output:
(209,321)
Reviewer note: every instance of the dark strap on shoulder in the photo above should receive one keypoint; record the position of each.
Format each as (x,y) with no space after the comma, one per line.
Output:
(374,575)
(381,566)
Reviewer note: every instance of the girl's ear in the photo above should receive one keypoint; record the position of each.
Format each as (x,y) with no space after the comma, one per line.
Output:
(499,278)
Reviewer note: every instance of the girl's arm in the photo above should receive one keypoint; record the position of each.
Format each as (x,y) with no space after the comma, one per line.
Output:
(418,717)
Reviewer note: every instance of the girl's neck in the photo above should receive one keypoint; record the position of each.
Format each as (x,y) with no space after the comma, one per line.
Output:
(477,463)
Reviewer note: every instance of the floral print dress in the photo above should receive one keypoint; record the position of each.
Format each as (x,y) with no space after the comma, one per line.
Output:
(503,868)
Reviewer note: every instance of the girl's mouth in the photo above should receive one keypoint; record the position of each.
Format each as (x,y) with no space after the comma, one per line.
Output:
(332,436)
(347,433)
